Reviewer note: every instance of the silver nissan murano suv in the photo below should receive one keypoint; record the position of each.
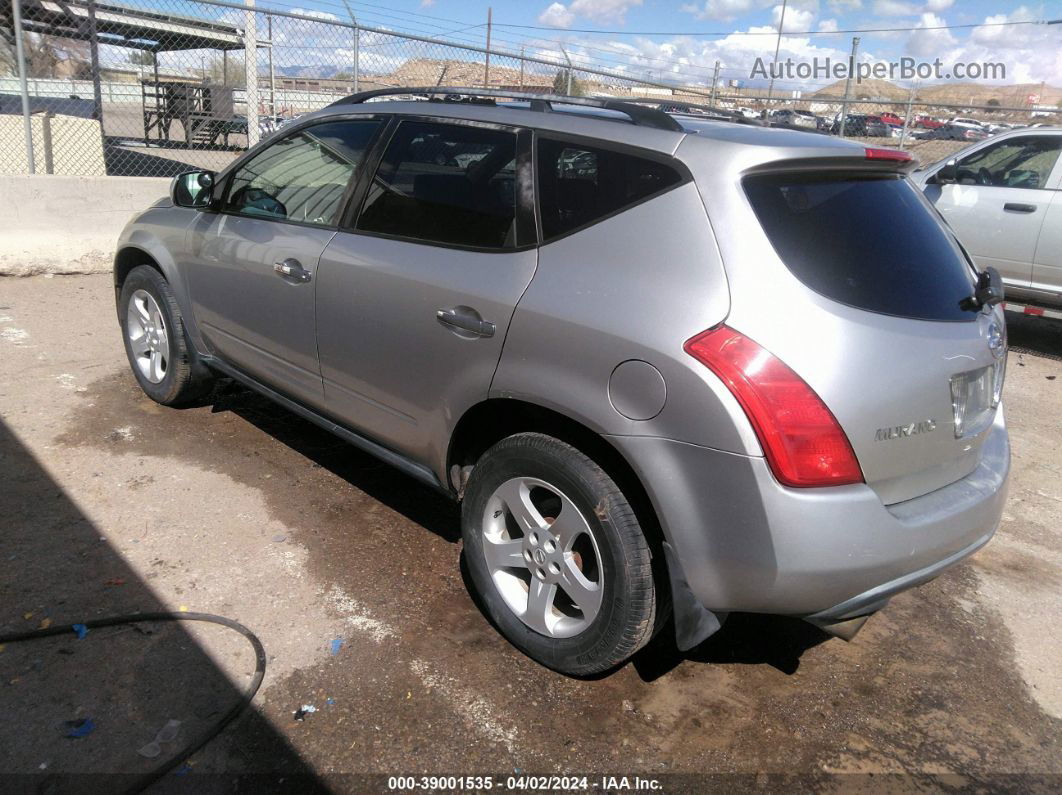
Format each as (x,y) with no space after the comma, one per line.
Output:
(672,366)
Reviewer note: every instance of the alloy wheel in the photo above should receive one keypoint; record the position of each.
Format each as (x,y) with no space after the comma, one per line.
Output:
(148,337)
(542,556)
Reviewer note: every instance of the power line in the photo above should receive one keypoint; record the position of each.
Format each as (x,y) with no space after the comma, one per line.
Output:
(773,32)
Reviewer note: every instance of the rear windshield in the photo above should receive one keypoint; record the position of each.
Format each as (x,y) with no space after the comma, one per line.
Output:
(866,241)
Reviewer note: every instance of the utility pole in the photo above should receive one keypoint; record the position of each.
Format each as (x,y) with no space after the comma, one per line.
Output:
(569,60)
(250,72)
(848,84)
(357,41)
(907,116)
(20,55)
(94,61)
(521,68)
(715,82)
(272,71)
(777,46)
(486,63)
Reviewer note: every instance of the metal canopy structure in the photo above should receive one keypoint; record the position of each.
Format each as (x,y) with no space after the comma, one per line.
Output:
(119,25)
(124,26)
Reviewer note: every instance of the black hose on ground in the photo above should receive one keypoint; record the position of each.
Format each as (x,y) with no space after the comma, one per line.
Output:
(139,618)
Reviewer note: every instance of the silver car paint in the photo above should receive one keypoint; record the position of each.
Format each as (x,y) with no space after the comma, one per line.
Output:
(249,315)
(1024,247)
(390,368)
(1047,264)
(872,370)
(636,286)
(588,288)
(749,544)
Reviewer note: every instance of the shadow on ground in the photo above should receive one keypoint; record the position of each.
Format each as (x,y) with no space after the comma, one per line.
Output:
(417,502)
(128,681)
(1038,335)
(745,639)
(777,641)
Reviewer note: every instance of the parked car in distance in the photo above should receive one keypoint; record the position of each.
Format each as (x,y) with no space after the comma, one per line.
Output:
(794,119)
(1003,198)
(862,126)
(928,122)
(891,119)
(664,363)
(954,132)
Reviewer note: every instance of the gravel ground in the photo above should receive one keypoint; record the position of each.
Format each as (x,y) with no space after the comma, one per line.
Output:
(113,504)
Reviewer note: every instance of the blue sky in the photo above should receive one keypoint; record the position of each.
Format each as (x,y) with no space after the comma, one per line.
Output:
(1031,52)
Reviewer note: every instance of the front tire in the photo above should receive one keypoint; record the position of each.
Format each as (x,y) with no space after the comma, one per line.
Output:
(557,555)
(159,353)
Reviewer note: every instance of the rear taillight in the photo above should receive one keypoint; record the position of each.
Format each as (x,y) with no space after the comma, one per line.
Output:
(804,444)
(887,154)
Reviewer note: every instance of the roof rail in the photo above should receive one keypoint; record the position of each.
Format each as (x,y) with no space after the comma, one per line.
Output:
(639,115)
(693,108)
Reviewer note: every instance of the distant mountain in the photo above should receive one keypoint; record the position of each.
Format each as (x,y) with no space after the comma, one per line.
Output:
(946,93)
(868,89)
(320,70)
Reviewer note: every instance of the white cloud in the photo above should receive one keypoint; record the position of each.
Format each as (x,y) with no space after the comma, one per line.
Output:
(603,10)
(997,34)
(309,12)
(722,9)
(895,8)
(929,43)
(557,16)
(797,19)
(939,5)
(828,26)
(1031,53)
(427,3)
(843,6)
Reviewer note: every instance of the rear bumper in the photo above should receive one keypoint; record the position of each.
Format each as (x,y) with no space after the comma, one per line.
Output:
(746,543)
(877,597)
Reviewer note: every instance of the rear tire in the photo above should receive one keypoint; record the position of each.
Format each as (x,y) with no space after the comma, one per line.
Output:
(557,555)
(160,355)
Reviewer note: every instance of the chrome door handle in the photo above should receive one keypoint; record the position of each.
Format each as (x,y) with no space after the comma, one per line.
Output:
(465,319)
(292,269)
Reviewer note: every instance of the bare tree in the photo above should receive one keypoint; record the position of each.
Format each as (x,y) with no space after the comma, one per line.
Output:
(49,56)
(230,74)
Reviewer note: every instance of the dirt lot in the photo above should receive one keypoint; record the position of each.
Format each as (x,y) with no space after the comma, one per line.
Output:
(112,504)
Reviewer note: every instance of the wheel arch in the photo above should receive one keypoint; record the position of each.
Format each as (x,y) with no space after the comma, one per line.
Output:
(492,420)
(129,257)
(142,248)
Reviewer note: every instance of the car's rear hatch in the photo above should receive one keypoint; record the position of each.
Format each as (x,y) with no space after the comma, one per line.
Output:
(849,277)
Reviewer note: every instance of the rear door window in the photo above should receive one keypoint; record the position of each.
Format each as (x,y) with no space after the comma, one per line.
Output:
(579,185)
(866,241)
(445,183)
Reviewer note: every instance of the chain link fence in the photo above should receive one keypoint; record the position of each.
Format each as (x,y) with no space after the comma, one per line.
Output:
(157,87)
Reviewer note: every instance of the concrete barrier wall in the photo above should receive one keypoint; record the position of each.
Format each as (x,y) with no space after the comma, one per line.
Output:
(61,224)
(63,144)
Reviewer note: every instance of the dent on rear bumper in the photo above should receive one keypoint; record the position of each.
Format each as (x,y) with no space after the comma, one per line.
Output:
(746,543)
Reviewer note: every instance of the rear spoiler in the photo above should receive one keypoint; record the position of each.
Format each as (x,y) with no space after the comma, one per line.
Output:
(892,161)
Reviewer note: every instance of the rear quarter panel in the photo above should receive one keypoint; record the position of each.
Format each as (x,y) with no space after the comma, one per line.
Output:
(871,370)
(634,286)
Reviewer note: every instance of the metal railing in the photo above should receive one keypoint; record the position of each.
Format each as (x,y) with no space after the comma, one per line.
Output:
(155,87)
